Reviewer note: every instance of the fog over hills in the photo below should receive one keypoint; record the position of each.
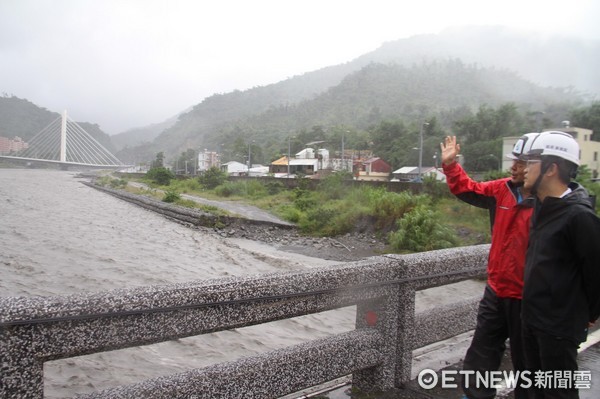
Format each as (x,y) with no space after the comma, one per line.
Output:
(547,61)
(137,136)
(439,75)
(498,65)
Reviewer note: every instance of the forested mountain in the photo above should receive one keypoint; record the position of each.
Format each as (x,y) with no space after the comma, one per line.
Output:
(224,107)
(542,59)
(221,108)
(446,90)
(446,76)
(20,117)
(459,80)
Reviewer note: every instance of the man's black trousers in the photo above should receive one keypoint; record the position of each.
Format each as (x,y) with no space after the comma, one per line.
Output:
(498,319)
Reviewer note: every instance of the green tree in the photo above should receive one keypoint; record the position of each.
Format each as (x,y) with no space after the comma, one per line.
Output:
(392,143)
(159,161)
(187,161)
(584,177)
(480,135)
(589,118)
(160,175)
(482,156)
(212,178)
(489,123)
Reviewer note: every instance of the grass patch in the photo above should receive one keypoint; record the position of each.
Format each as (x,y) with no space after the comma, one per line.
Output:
(171,196)
(471,224)
(112,182)
(185,186)
(410,222)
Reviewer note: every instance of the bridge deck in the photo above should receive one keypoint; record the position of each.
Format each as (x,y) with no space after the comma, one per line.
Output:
(589,360)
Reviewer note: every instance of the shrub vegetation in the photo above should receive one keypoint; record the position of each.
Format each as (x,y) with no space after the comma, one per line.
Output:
(420,230)
(409,222)
(171,196)
(160,175)
(212,178)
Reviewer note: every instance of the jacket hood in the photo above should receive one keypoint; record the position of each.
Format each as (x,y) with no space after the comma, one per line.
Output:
(579,195)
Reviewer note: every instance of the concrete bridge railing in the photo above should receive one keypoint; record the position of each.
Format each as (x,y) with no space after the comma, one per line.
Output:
(378,353)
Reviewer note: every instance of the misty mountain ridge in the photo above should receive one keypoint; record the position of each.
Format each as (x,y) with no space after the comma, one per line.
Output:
(439,75)
(137,136)
(521,58)
(447,90)
(546,60)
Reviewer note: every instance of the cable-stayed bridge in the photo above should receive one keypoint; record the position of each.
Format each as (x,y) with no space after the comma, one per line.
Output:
(65,143)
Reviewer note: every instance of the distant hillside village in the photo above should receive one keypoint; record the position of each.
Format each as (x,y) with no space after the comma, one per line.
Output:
(317,163)
(364,165)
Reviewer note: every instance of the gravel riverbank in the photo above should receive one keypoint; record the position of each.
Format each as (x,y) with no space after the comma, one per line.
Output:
(250,223)
(348,247)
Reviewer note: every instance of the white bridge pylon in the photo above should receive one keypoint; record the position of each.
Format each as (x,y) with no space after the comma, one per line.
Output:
(64,141)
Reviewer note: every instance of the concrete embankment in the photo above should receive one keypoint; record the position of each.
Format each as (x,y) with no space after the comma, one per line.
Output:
(250,223)
(193,216)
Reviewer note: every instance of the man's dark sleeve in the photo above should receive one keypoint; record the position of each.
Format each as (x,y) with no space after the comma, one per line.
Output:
(586,232)
(480,201)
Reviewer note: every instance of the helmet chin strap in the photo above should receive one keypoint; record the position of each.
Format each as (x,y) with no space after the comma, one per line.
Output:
(543,169)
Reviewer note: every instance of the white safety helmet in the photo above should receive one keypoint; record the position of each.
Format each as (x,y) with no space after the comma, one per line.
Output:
(522,146)
(559,144)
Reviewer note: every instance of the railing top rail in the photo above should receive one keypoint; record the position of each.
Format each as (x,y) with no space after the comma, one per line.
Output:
(422,270)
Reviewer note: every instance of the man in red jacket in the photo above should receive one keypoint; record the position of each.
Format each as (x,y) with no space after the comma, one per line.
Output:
(499,313)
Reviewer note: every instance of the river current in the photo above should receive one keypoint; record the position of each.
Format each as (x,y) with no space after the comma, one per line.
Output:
(58,236)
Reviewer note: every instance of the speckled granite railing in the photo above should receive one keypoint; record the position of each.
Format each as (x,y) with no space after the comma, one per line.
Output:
(38,329)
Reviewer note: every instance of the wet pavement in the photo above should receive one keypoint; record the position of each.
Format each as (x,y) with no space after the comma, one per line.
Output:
(588,360)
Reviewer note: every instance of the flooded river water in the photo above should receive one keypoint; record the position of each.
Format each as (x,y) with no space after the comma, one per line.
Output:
(58,236)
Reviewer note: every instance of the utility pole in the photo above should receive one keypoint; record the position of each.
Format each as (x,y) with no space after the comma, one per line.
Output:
(289,155)
(196,154)
(249,164)
(343,166)
(421,150)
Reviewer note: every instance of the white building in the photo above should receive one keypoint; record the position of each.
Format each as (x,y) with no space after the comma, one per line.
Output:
(234,168)
(207,160)
(411,173)
(258,170)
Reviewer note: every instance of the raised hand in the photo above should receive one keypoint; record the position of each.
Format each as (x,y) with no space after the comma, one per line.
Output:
(450,150)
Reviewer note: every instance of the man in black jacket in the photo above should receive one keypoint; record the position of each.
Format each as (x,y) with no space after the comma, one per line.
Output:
(561,293)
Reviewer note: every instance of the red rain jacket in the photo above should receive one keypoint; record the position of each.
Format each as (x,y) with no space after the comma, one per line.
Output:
(510,232)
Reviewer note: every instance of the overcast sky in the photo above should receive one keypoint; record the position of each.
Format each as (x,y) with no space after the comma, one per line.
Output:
(130,63)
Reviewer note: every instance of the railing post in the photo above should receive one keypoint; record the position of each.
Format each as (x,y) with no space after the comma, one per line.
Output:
(405,306)
(393,315)
(21,373)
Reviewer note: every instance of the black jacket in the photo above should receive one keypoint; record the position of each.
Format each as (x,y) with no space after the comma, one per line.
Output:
(561,292)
